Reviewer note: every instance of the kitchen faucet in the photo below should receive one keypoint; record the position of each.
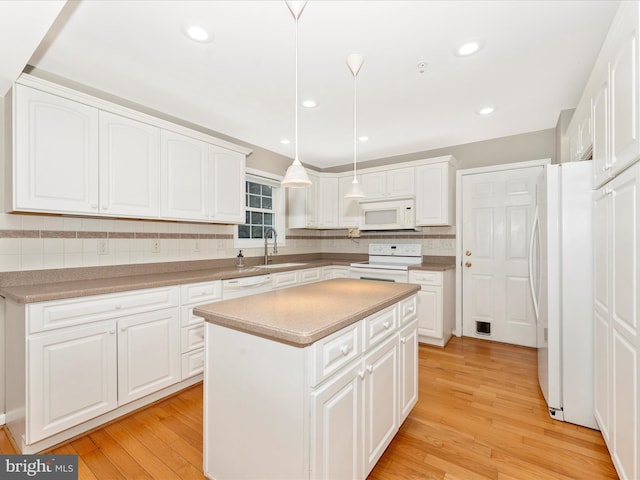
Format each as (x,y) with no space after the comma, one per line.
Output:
(275,243)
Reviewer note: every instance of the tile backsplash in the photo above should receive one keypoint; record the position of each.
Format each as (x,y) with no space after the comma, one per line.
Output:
(33,242)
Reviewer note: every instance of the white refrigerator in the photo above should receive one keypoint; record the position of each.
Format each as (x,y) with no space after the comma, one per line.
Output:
(560,276)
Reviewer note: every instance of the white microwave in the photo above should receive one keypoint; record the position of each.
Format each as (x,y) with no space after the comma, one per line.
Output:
(388,214)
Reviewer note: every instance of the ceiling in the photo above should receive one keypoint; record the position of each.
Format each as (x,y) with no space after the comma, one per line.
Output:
(535,61)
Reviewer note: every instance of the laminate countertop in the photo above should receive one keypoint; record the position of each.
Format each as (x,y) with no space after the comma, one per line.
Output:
(304,314)
(46,285)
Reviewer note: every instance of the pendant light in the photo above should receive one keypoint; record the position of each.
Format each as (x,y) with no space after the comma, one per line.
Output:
(296,175)
(354,62)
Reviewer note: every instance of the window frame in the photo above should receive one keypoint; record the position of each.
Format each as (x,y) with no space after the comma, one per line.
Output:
(278,205)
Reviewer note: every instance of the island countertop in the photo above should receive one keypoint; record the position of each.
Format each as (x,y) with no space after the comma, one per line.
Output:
(304,314)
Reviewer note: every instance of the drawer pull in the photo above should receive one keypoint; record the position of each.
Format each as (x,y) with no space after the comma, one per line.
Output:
(200,335)
(345,350)
(386,325)
(361,374)
(370,368)
(403,339)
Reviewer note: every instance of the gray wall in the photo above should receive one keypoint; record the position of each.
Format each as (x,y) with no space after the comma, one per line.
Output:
(497,151)
(2,349)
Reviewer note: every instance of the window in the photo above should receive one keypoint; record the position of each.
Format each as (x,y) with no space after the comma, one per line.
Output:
(264,200)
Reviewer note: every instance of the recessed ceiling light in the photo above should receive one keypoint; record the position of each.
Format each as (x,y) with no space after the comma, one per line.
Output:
(197,33)
(486,111)
(285,141)
(309,104)
(467,49)
(363,138)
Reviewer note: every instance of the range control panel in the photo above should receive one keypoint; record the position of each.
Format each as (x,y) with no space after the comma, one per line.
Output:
(397,250)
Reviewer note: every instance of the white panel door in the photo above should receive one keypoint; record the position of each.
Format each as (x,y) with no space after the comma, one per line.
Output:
(600,154)
(408,375)
(380,399)
(228,184)
(72,379)
(602,309)
(430,311)
(148,353)
(56,154)
(336,419)
(432,194)
(401,182)
(185,178)
(498,211)
(625,88)
(625,337)
(129,167)
(348,208)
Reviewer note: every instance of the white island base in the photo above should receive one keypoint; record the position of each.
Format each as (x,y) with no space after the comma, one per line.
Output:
(276,410)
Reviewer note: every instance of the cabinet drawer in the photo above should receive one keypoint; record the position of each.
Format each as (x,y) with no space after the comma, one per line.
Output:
(309,275)
(74,311)
(201,292)
(192,363)
(285,279)
(334,351)
(425,277)
(380,325)
(192,337)
(408,309)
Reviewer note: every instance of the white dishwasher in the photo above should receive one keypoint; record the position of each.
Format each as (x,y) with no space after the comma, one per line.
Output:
(241,287)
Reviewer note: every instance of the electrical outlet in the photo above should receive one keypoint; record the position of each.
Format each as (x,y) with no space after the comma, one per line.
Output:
(448,244)
(353,233)
(103,246)
(155,246)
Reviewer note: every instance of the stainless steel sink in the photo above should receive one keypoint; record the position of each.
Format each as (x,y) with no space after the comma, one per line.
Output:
(281,265)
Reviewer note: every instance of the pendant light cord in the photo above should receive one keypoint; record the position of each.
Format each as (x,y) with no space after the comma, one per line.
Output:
(355,143)
(296,100)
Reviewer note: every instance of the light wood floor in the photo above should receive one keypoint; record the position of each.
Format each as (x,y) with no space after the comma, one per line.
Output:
(480,416)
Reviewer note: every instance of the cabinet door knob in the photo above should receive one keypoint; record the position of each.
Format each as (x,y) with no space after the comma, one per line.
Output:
(467,264)
(361,374)
(468,253)
(403,339)
(386,325)
(370,368)
(344,350)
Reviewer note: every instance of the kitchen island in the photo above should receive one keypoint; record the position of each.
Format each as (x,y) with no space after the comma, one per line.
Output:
(308,382)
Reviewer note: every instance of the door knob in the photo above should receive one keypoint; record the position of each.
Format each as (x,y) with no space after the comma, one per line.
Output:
(468,253)
(467,264)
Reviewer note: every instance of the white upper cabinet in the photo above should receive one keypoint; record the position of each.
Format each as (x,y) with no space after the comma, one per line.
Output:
(185,175)
(348,208)
(227,169)
(129,167)
(55,165)
(327,202)
(435,194)
(601,166)
(76,154)
(625,130)
(613,93)
(397,182)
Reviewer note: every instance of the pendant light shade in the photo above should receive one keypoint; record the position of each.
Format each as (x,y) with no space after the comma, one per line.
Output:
(296,176)
(354,62)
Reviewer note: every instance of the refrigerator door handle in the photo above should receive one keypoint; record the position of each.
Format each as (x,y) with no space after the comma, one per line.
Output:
(535,228)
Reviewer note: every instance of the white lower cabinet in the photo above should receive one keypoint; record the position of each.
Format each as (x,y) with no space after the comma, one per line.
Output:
(64,391)
(325,411)
(148,353)
(408,370)
(436,315)
(337,427)
(192,326)
(79,362)
(616,210)
(380,400)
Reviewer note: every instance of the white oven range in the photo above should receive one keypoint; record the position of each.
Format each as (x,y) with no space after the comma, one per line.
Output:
(388,262)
